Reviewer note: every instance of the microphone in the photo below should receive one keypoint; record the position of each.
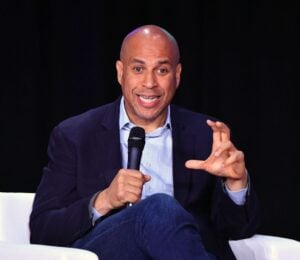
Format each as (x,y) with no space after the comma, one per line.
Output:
(136,143)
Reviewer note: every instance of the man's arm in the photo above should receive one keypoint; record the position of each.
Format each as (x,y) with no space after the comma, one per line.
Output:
(231,219)
(59,215)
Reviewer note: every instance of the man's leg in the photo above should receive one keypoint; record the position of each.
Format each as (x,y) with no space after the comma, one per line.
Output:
(155,228)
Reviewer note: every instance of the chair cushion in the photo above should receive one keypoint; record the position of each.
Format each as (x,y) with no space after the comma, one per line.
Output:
(265,247)
(13,251)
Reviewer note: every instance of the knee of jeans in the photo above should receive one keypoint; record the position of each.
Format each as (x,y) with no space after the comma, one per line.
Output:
(166,208)
(162,201)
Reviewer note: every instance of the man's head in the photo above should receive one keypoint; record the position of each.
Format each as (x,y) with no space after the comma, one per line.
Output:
(149,73)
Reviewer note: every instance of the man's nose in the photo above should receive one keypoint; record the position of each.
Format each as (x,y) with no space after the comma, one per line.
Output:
(150,80)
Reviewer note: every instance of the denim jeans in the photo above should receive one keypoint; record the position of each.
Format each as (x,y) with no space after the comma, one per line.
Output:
(157,227)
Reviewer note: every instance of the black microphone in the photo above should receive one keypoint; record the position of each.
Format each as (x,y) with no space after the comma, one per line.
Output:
(136,143)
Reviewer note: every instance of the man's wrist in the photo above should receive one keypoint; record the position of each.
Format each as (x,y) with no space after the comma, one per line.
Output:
(101,203)
(237,184)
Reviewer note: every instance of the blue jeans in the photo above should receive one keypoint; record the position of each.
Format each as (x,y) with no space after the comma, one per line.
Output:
(155,228)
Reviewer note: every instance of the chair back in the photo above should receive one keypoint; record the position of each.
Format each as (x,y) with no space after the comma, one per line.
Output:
(15,209)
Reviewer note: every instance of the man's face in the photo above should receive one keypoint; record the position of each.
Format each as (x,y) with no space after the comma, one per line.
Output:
(149,76)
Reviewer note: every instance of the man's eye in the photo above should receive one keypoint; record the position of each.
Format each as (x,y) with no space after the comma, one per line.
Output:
(163,71)
(137,69)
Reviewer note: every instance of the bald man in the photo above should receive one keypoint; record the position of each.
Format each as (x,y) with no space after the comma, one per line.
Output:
(192,192)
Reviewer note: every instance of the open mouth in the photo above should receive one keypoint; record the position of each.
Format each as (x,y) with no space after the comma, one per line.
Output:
(148,99)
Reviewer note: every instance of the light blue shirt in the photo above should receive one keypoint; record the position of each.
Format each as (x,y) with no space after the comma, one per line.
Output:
(157,159)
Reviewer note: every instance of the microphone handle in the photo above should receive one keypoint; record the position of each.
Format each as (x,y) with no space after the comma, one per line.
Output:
(134,160)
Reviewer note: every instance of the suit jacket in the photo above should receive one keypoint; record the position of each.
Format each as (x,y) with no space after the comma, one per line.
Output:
(85,155)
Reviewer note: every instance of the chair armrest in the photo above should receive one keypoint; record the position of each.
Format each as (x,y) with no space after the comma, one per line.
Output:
(264,247)
(14,251)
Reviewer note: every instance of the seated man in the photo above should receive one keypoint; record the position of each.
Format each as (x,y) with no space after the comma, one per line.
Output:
(192,191)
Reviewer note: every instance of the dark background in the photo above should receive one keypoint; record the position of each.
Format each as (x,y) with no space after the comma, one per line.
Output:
(239,64)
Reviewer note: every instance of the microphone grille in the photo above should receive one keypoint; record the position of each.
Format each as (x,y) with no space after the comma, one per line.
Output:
(136,137)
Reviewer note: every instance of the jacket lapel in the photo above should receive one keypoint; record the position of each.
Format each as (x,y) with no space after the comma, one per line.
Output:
(108,140)
(183,145)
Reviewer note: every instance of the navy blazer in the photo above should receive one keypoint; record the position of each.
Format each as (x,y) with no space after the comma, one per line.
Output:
(84,157)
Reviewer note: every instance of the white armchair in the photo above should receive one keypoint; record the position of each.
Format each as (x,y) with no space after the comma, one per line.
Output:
(264,247)
(15,209)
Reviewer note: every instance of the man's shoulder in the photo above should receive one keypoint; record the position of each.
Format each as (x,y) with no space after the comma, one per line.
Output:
(91,120)
(188,116)
(90,115)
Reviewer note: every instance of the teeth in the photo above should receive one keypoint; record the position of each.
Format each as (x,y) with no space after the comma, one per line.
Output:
(147,99)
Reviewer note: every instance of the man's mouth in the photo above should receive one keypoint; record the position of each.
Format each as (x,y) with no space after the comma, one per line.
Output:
(148,99)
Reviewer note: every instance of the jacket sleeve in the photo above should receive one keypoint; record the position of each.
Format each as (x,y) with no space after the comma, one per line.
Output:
(59,215)
(231,220)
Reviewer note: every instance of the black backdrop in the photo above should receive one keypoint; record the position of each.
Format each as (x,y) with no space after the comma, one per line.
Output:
(239,58)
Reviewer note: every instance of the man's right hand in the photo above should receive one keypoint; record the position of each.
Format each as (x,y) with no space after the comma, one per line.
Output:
(127,186)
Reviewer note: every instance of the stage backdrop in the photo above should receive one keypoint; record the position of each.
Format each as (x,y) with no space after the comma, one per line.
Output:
(239,64)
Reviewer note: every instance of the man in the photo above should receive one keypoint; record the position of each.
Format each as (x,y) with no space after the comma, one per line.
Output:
(192,193)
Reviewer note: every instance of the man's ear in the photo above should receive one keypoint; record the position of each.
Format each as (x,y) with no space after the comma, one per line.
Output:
(178,74)
(119,67)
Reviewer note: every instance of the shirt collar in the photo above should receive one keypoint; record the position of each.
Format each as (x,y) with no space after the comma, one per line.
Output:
(125,124)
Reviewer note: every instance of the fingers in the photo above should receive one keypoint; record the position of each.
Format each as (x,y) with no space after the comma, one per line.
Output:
(234,157)
(225,159)
(227,152)
(134,186)
(224,148)
(127,186)
(221,153)
(195,164)
(133,177)
(221,131)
